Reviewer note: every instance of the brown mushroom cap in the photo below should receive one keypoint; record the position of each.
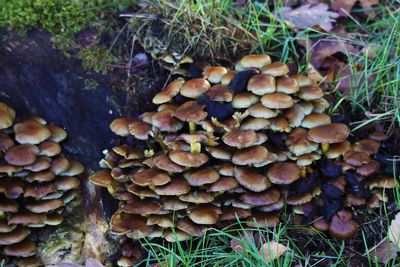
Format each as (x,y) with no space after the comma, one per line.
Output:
(299,199)
(356,158)
(275,69)
(330,133)
(253,155)
(260,199)
(342,225)
(26,218)
(190,111)
(310,92)
(255,124)
(6,142)
(173,204)
(197,197)
(123,223)
(40,164)
(29,262)
(7,116)
(378,136)
(31,132)
(171,90)
(22,155)
(163,162)
(142,207)
(120,126)
(140,130)
(368,169)
(214,74)
(15,236)
(49,148)
(253,61)
(187,226)
(219,152)
(24,248)
(220,93)
(382,181)
(298,143)
(287,85)
(315,119)
(338,149)
(102,178)
(226,183)
(280,124)
(353,200)
(166,122)
(277,101)
(244,100)
(141,191)
(39,190)
(205,214)
(176,236)
(195,87)
(58,134)
(42,206)
(178,186)
(262,219)
(251,179)
(65,183)
(150,177)
(59,165)
(228,77)
(283,172)
(321,225)
(261,84)
(240,138)
(188,159)
(8,205)
(303,80)
(367,145)
(274,206)
(75,168)
(201,176)
(295,115)
(258,110)
(6,227)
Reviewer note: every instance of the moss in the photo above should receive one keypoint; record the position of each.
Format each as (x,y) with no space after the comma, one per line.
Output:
(96,58)
(58,17)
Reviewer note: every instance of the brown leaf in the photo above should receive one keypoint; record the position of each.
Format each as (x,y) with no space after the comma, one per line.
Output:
(246,237)
(308,15)
(394,230)
(343,6)
(327,47)
(368,3)
(90,262)
(384,252)
(272,250)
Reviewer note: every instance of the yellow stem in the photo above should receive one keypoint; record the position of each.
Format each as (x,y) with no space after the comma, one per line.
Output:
(325,147)
(192,127)
(303,172)
(195,147)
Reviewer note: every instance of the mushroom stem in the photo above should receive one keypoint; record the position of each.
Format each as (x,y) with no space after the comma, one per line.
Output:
(325,147)
(111,190)
(303,172)
(309,169)
(152,187)
(195,147)
(192,126)
(148,153)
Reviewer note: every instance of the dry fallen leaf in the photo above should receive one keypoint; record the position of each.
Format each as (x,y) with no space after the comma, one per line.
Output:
(308,15)
(384,252)
(272,250)
(394,230)
(327,47)
(343,6)
(368,3)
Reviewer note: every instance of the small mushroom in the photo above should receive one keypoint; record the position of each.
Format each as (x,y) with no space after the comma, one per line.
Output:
(342,225)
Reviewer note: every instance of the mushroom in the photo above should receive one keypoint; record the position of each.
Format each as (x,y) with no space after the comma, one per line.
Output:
(7,116)
(205,214)
(328,134)
(342,225)
(170,91)
(283,172)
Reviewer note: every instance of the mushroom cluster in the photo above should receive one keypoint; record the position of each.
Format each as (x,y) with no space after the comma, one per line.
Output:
(36,183)
(226,144)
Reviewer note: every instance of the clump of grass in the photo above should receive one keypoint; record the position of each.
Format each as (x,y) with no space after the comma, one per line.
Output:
(209,29)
